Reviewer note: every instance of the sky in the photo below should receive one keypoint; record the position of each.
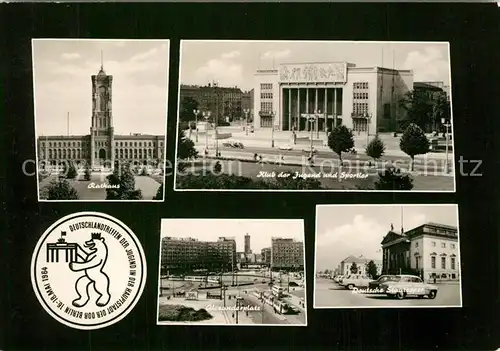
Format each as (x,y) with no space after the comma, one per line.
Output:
(62,83)
(359,230)
(233,63)
(260,230)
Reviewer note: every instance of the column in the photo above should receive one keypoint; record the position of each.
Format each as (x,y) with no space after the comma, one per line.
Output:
(307,109)
(289,107)
(316,123)
(298,108)
(334,107)
(325,111)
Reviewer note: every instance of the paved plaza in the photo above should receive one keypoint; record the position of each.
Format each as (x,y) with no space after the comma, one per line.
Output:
(328,294)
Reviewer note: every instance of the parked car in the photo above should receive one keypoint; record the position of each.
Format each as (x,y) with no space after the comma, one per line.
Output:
(285,147)
(238,145)
(309,150)
(356,281)
(405,285)
(337,278)
(382,279)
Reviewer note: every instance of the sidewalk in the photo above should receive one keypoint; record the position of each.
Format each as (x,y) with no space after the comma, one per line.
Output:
(266,143)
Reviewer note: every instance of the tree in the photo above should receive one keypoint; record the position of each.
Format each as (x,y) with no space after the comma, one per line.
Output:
(440,109)
(217,167)
(188,104)
(88,172)
(419,110)
(371,270)
(185,147)
(71,174)
(124,181)
(340,140)
(375,148)
(392,179)
(414,142)
(159,193)
(185,150)
(60,190)
(354,268)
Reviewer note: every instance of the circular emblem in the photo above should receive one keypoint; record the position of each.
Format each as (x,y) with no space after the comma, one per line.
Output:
(88,270)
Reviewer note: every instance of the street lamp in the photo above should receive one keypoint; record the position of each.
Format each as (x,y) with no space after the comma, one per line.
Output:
(368,118)
(206,115)
(312,119)
(318,113)
(246,112)
(272,128)
(446,124)
(196,113)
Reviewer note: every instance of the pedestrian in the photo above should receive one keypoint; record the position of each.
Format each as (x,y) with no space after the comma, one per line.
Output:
(260,158)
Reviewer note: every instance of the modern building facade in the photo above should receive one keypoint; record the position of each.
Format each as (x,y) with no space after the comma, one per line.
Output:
(101,147)
(287,254)
(360,264)
(320,96)
(430,250)
(188,254)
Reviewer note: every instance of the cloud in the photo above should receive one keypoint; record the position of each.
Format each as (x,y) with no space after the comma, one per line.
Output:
(360,237)
(70,56)
(276,54)
(221,70)
(428,65)
(148,54)
(140,89)
(230,55)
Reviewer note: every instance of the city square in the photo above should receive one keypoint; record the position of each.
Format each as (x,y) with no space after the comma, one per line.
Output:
(304,117)
(207,281)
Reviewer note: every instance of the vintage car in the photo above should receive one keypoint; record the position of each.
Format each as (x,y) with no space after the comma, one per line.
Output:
(285,147)
(405,285)
(356,281)
(382,279)
(337,278)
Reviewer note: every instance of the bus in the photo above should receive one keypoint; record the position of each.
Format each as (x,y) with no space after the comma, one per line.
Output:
(277,291)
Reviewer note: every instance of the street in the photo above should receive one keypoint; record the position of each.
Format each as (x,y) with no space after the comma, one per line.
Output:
(225,313)
(328,294)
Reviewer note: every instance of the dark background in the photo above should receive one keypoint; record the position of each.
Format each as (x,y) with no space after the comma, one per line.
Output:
(473,31)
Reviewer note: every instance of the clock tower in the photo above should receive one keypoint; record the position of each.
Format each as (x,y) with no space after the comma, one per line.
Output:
(102,148)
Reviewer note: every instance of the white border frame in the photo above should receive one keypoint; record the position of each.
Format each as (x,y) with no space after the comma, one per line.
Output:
(194,324)
(453,158)
(167,41)
(395,306)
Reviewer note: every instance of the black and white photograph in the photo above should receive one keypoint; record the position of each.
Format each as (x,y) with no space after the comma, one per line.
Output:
(232,272)
(382,256)
(100,118)
(315,115)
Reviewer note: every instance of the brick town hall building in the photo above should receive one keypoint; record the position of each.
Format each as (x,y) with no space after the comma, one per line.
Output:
(102,147)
